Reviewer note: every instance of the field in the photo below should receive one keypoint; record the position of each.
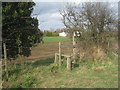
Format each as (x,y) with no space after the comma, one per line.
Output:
(39,70)
(55,39)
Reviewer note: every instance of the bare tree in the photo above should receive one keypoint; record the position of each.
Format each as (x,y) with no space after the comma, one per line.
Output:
(71,15)
(94,16)
(98,15)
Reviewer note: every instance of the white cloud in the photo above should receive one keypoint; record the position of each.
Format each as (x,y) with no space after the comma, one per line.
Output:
(51,24)
(49,17)
(50,20)
(53,15)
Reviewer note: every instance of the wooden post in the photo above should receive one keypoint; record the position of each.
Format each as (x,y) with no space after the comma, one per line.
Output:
(69,66)
(59,54)
(73,38)
(5,54)
(5,58)
(56,58)
(15,65)
(74,47)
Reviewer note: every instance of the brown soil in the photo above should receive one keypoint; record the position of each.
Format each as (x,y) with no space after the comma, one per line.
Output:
(46,50)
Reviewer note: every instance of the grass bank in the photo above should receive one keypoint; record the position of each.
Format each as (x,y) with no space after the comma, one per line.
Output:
(38,74)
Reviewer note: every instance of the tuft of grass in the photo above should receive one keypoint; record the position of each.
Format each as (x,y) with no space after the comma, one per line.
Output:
(111,56)
(16,86)
(28,81)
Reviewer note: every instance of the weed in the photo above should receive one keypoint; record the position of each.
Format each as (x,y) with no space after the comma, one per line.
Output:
(15,71)
(16,86)
(63,65)
(54,67)
(28,81)
(12,78)
(111,56)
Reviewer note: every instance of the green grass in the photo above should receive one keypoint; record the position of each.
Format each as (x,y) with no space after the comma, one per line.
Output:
(37,74)
(55,39)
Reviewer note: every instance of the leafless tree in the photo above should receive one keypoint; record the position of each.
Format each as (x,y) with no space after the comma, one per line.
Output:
(93,16)
(71,15)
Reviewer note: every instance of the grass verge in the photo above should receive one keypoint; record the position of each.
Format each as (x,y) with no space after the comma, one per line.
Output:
(39,74)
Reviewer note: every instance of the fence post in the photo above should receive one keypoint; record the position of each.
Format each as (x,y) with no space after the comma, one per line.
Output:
(69,64)
(59,54)
(5,58)
(74,48)
(56,58)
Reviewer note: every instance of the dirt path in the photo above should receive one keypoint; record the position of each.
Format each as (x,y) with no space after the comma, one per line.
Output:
(46,50)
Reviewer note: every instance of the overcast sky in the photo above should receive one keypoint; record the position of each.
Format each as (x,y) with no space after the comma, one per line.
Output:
(49,17)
